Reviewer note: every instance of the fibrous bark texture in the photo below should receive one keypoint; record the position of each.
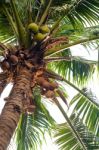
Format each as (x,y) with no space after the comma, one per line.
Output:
(13,108)
(3,81)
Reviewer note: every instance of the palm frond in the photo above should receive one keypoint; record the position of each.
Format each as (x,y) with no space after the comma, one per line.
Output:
(87,110)
(74,70)
(83,11)
(32,127)
(67,29)
(31,130)
(70,124)
(5,29)
(42,20)
(27,136)
(70,58)
(78,10)
(40,105)
(56,3)
(66,140)
(23,9)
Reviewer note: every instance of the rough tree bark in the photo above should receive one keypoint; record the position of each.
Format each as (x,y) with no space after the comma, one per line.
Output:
(12,110)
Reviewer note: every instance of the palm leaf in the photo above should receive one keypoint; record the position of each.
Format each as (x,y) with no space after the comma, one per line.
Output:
(5,29)
(75,70)
(32,127)
(66,140)
(23,9)
(27,135)
(87,110)
(78,10)
(81,10)
(31,130)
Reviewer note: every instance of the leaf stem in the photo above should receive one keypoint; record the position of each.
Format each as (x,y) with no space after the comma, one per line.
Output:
(20,27)
(69,58)
(48,60)
(45,13)
(70,124)
(52,52)
(10,19)
(62,96)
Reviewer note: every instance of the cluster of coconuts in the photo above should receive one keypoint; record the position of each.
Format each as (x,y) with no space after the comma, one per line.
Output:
(48,87)
(40,32)
(12,60)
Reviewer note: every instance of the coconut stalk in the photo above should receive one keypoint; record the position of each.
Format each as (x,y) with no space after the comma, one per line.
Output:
(53,59)
(19,25)
(70,58)
(29,10)
(62,97)
(54,51)
(10,19)
(70,124)
(2,46)
(45,13)
(37,17)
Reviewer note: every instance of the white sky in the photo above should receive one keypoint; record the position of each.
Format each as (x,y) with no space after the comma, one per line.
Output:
(77,51)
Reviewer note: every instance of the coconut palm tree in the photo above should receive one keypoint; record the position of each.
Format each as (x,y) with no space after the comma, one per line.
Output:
(36,37)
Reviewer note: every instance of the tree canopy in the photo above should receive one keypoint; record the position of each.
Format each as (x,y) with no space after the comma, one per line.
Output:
(36,37)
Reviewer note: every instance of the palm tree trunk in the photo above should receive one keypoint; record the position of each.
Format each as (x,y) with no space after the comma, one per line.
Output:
(12,110)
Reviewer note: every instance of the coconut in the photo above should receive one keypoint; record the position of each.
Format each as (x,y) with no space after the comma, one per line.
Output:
(14,59)
(46,85)
(54,85)
(5,65)
(49,94)
(40,80)
(44,29)
(39,37)
(43,82)
(33,27)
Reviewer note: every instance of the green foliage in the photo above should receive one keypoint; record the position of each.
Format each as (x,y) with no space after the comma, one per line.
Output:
(71,13)
(66,29)
(81,10)
(24,9)
(40,105)
(32,127)
(74,70)
(27,135)
(78,10)
(66,140)
(60,2)
(5,29)
(87,110)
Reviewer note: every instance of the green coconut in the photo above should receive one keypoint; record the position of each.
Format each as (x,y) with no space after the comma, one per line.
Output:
(39,37)
(33,27)
(44,29)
